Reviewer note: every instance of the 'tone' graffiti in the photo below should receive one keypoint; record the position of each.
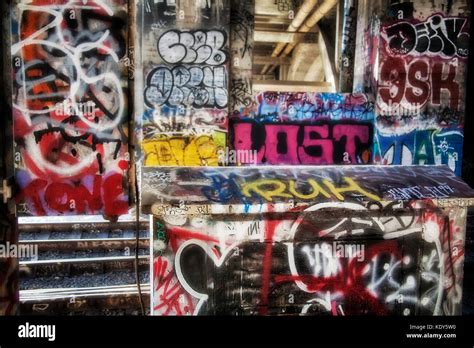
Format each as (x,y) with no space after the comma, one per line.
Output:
(69,106)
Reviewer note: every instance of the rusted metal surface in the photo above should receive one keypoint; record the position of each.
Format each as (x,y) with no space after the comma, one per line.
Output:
(83,301)
(79,266)
(78,225)
(73,256)
(86,244)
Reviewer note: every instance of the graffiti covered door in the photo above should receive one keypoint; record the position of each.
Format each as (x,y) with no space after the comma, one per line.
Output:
(69,96)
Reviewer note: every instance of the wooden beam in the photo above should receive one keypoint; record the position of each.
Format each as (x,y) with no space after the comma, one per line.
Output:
(272,20)
(271,8)
(329,66)
(283,36)
(257,77)
(291,86)
(260,60)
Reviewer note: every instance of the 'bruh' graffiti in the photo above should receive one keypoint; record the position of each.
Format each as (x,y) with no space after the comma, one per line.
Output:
(223,190)
(326,240)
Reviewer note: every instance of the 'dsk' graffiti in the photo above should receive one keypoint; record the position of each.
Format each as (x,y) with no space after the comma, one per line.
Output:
(421,85)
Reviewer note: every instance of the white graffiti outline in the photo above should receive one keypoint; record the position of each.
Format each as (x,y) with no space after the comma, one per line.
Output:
(430,233)
(218,261)
(72,53)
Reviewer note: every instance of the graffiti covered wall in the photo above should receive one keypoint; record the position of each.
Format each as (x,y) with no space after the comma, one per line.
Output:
(367,43)
(421,87)
(9,292)
(241,44)
(70,106)
(348,13)
(183,100)
(305,128)
(298,241)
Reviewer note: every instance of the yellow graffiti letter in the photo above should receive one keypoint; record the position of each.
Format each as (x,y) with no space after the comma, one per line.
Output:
(266,189)
(353,187)
(317,189)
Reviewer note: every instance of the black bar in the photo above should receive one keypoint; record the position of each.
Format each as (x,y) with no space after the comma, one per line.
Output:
(243,331)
